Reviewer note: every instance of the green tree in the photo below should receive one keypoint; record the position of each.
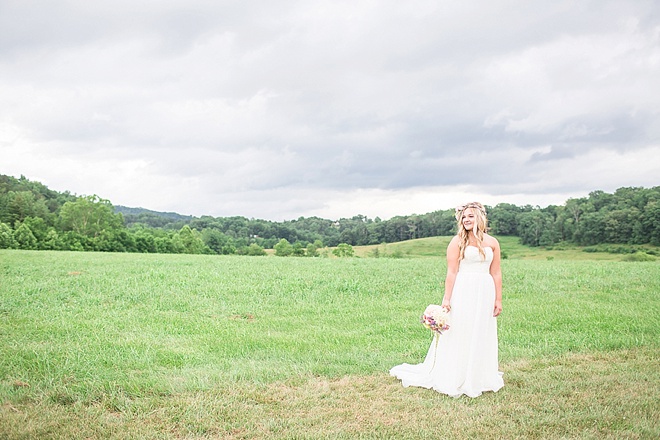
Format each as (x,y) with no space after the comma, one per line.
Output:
(503,219)
(22,204)
(535,228)
(24,237)
(255,250)
(590,230)
(298,249)
(312,250)
(145,242)
(39,229)
(88,216)
(619,224)
(218,242)
(191,241)
(51,241)
(73,241)
(283,248)
(343,250)
(167,244)
(600,199)
(115,240)
(651,222)
(7,240)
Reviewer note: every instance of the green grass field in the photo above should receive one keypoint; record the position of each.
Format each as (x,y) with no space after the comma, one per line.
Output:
(129,346)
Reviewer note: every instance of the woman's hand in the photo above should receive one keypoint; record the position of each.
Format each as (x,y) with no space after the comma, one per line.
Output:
(446,305)
(497,309)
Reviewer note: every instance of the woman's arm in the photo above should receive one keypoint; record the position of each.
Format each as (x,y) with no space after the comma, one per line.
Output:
(452,270)
(496,273)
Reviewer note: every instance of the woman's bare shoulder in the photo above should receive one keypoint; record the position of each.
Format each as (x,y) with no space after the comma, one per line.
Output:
(491,241)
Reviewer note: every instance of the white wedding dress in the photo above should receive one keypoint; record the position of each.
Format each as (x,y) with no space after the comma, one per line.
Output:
(464,360)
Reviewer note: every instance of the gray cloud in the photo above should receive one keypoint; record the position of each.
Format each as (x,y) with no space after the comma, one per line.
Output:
(283,109)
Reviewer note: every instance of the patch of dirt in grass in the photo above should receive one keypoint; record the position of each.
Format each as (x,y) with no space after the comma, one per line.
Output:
(20,384)
(244,317)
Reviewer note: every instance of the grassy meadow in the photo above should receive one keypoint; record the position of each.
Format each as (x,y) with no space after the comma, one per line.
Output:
(132,346)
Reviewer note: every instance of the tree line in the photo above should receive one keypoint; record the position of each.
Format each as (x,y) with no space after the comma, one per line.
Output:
(34,217)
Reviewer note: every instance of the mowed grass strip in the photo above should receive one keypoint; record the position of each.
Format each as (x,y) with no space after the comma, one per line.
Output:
(179,346)
(605,395)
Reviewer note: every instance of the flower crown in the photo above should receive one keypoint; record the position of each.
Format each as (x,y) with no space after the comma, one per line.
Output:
(473,205)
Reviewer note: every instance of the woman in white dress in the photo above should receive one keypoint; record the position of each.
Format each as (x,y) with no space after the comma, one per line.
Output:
(464,360)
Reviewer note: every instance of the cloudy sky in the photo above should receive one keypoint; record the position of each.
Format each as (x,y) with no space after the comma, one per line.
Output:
(278,109)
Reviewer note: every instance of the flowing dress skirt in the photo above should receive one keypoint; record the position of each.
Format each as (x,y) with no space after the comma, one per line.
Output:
(464,360)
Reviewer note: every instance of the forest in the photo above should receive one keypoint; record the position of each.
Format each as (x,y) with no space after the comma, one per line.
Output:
(32,216)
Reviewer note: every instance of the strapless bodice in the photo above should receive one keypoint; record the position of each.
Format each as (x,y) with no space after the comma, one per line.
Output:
(474,261)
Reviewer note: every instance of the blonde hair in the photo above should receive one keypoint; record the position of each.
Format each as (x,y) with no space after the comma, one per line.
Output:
(480,227)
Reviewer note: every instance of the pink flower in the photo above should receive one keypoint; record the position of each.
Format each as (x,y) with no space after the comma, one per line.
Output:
(435,318)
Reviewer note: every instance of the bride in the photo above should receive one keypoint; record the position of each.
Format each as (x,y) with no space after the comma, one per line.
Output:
(465,360)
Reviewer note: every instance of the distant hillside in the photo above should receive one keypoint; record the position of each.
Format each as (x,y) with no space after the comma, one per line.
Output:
(137,211)
(154,219)
(35,217)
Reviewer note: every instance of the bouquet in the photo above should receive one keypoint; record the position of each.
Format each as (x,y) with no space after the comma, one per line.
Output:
(435,318)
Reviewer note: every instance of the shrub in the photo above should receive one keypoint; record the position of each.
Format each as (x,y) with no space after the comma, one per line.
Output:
(255,250)
(396,254)
(7,240)
(283,248)
(639,256)
(344,250)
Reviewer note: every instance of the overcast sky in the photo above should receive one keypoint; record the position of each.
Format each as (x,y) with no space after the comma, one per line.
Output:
(280,109)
